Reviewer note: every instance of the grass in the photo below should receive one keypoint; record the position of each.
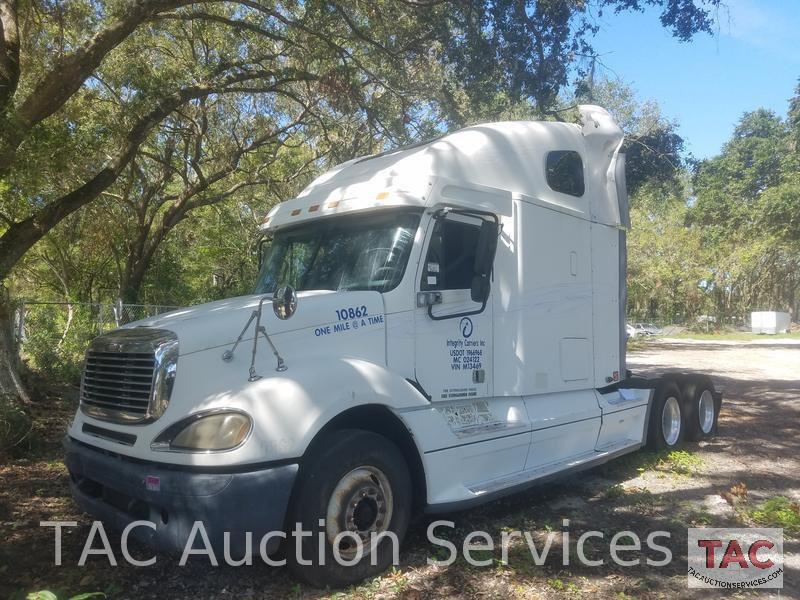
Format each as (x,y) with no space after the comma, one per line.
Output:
(556,584)
(679,462)
(615,492)
(778,511)
(699,518)
(560,586)
(682,462)
(735,336)
(637,343)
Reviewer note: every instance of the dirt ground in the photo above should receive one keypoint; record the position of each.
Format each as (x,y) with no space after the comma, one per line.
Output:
(754,458)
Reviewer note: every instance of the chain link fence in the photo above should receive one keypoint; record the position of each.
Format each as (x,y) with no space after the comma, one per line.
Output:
(53,336)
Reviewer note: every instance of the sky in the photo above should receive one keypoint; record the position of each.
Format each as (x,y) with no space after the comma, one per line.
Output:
(752,61)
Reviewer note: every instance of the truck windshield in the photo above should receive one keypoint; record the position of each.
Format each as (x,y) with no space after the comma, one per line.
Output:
(341,253)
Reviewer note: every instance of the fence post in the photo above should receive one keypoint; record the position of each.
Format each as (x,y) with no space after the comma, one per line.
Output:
(118,311)
(100,319)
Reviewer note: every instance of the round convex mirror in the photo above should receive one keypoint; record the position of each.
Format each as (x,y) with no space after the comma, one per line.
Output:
(284,302)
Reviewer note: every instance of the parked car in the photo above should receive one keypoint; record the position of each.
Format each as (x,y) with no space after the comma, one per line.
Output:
(649,328)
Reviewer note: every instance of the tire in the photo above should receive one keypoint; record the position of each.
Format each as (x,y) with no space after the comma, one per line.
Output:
(355,481)
(667,427)
(702,408)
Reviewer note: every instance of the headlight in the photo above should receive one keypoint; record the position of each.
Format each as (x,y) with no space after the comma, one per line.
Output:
(210,431)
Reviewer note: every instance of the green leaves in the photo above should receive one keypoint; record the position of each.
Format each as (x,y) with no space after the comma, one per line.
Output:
(778,210)
(509,53)
(729,242)
(667,262)
(747,208)
(173,113)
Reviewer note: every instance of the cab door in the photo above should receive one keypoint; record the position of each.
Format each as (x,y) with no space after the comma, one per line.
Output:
(480,440)
(453,321)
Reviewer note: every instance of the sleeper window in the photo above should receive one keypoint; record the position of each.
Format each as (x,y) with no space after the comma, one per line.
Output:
(565,172)
(450,264)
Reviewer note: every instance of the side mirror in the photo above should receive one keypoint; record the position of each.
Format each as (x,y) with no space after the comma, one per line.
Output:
(284,302)
(480,288)
(484,260)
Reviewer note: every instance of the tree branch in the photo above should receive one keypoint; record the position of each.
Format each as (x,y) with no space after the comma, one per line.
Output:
(21,236)
(70,71)
(9,52)
(234,23)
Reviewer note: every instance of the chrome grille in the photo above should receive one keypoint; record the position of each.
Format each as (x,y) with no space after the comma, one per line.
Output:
(128,375)
(114,380)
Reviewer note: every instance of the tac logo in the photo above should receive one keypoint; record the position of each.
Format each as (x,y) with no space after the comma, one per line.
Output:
(466,327)
(735,558)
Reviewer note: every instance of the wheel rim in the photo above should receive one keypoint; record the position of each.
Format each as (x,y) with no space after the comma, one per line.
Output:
(705,411)
(361,504)
(671,421)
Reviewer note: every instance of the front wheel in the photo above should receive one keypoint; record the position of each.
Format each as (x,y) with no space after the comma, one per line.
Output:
(355,496)
(667,418)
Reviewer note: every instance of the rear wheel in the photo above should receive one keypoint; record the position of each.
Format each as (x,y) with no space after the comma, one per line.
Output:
(702,408)
(355,494)
(667,418)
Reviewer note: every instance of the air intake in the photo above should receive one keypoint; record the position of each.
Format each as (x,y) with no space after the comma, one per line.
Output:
(129,374)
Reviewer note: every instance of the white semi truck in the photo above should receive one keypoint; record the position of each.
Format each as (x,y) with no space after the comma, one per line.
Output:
(432,328)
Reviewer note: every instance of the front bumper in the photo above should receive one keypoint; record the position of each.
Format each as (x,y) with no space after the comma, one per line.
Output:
(119,490)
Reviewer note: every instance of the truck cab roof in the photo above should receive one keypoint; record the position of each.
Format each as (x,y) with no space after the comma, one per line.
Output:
(482,166)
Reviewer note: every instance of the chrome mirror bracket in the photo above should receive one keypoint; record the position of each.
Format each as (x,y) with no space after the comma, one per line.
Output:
(227,355)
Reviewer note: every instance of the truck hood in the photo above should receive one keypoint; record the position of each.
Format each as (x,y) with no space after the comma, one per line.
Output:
(217,324)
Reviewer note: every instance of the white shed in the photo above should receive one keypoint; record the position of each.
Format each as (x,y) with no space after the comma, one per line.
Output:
(769,321)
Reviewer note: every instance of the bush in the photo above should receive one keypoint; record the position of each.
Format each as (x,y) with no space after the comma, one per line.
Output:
(15,425)
(51,353)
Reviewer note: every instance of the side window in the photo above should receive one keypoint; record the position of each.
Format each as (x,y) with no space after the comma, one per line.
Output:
(450,264)
(565,172)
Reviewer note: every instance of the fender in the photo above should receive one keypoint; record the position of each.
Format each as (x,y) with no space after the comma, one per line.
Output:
(293,408)
(288,409)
